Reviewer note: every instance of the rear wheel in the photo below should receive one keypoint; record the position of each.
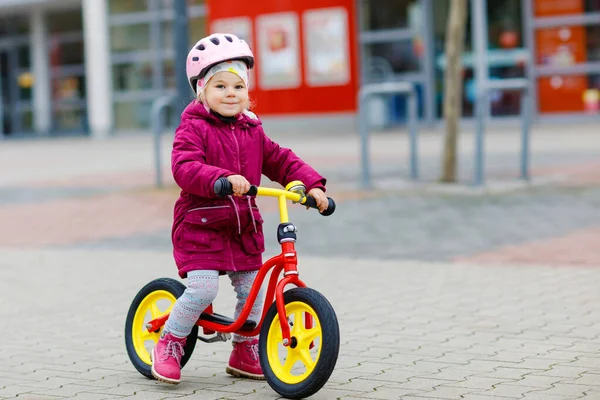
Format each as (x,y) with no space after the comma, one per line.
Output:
(302,368)
(152,301)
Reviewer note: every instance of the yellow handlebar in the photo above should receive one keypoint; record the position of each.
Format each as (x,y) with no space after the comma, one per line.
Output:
(294,191)
(282,196)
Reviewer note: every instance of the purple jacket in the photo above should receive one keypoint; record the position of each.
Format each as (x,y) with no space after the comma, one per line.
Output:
(224,234)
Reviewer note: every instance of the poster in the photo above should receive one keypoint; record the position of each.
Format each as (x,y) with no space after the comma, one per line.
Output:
(558,47)
(242,28)
(278,51)
(546,8)
(326,46)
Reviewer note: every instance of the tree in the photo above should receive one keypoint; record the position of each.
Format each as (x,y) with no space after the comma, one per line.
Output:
(455,35)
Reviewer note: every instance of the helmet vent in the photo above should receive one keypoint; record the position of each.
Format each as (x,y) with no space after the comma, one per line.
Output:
(215,40)
(195,58)
(229,39)
(200,47)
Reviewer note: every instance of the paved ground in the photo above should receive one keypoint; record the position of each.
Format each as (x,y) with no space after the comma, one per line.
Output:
(442,292)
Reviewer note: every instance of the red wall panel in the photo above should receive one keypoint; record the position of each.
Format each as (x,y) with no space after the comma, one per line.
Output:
(304,99)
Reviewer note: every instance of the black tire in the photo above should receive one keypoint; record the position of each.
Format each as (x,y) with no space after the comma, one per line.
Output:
(176,289)
(329,342)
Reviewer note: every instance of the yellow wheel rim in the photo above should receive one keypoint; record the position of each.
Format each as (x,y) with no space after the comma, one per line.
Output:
(294,363)
(153,306)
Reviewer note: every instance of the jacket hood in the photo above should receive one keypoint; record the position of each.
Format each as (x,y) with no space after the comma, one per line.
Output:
(196,110)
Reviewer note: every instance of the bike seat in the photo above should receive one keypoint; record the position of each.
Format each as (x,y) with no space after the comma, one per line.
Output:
(223,320)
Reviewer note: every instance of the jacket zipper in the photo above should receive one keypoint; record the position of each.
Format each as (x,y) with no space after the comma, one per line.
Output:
(237,147)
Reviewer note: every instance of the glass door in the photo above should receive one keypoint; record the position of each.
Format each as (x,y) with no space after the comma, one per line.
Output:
(506,54)
(5,108)
(15,77)
(394,42)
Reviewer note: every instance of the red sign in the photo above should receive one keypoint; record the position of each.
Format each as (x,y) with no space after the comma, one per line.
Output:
(280,89)
(560,47)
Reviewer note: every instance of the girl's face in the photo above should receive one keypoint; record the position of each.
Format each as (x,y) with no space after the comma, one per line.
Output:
(226,94)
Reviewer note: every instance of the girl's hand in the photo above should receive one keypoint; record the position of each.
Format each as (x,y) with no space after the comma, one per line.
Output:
(320,198)
(239,183)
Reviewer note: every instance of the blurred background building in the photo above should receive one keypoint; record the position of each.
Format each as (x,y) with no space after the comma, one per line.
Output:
(95,66)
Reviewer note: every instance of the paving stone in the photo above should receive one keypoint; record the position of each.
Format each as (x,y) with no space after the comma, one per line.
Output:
(564,389)
(424,311)
(508,390)
(445,392)
(479,382)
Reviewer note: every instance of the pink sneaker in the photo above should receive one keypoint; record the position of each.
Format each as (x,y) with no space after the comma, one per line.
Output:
(166,358)
(244,361)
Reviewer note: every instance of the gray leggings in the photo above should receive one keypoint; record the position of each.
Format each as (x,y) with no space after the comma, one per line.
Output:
(201,291)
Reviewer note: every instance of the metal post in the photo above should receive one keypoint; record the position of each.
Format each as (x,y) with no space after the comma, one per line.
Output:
(363,128)
(480,109)
(180,29)
(369,90)
(522,85)
(412,130)
(157,115)
(525,125)
(1,113)
(480,32)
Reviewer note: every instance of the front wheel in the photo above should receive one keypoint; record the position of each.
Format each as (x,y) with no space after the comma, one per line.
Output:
(302,368)
(153,300)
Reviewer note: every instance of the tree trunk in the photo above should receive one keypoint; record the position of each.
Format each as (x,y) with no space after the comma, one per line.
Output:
(453,81)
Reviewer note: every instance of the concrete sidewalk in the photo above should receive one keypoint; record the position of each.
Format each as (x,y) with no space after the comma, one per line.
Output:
(442,292)
(409,330)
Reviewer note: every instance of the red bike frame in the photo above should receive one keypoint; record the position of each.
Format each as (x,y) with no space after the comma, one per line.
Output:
(287,262)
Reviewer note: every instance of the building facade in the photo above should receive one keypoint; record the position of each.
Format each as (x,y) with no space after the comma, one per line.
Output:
(95,66)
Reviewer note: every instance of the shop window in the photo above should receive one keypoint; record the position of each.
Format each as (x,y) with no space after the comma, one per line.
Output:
(169,74)
(27,121)
(68,89)
(66,53)
(593,43)
(65,21)
(14,25)
(133,115)
(168,4)
(387,14)
(133,76)
(129,6)
(592,5)
(196,31)
(127,38)
(69,118)
(505,56)
(24,56)
(400,57)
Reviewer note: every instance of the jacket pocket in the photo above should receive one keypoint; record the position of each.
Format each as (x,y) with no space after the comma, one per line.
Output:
(253,241)
(203,229)
(216,218)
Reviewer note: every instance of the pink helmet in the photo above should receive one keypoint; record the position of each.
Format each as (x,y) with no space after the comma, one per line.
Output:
(215,49)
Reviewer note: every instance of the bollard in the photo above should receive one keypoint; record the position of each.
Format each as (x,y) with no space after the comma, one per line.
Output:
(522,85)
(364,93)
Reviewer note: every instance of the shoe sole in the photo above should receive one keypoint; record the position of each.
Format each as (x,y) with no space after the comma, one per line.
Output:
(161,378)
(241,374)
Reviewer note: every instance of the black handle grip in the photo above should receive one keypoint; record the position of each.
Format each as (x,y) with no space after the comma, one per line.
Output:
(310,202)
(224,188)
